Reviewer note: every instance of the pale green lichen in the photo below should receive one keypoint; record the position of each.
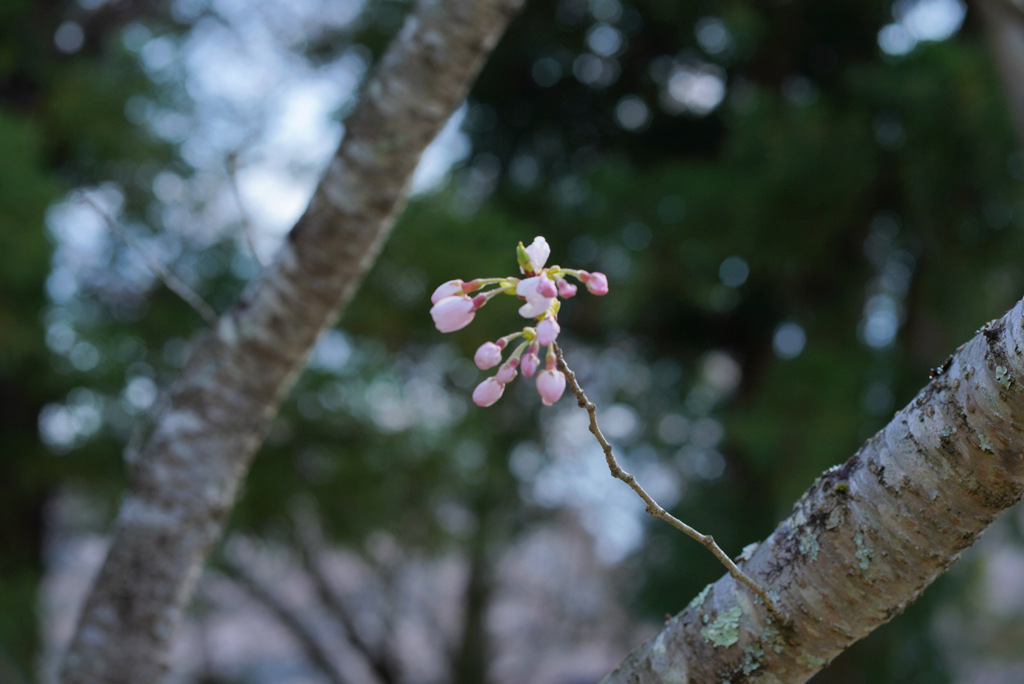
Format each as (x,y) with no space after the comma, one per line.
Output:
(947,431)
(698,600)
(985,443)
(810,661)
(748,552)
(1003,377)
(724,631)
(809,545)
(658,647)
(658,651)
(864,552)
(752,655)
(773,640)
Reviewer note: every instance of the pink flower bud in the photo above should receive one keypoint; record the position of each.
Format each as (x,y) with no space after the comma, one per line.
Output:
(547,289)
(449,289)
(547,331)
(539,252)
(565,288)
(597,283)
(550,385)
(530,362)
(487,356)
(536,301)
(507,373)
(488,392)
(453,313)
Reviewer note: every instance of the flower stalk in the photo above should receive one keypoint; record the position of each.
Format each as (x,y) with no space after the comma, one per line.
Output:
(653,507)
(541,291)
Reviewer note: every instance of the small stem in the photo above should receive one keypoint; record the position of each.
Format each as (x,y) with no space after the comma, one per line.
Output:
(309,543)
(320,656)
(173,283)
(653,507)
(236,193)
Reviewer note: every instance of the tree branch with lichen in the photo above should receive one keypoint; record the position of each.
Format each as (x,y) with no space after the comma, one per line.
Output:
(869,535)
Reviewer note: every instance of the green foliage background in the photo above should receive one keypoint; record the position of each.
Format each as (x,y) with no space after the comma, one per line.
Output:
(829,167)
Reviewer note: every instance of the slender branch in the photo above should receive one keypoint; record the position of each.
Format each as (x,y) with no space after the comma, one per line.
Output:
(307,536)
(317,653)
(173,283)
(236,193)
(653,507)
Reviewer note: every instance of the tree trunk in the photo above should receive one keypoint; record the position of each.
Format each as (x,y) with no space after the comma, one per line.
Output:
(868,536)
(1004,26)
(185,479)
(471,658)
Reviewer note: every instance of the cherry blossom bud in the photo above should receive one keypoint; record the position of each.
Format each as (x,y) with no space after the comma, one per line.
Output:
(507,373)
(488,392)
(547,331)
(539,252)
(546,288)
(539,296)
(550,385)
(487,356)
(449,289)
(597,283)
(454,307)
(452,313)
(530,362)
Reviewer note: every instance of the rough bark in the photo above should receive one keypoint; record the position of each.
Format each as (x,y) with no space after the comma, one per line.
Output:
(868,536)
(185,479)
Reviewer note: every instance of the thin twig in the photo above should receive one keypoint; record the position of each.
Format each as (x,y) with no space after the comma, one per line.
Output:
(173,283)
(319,655)
(247,226)
(653,507)
(307,537)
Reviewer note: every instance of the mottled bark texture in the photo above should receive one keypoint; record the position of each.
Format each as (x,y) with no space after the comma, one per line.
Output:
(868,536)
(185,479)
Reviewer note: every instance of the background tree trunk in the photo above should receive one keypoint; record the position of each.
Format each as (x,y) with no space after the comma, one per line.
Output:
(1004,27)
(868,536)
(185,480)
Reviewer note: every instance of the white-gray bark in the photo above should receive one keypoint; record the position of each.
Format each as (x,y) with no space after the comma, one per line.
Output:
(184,481)
(868,536)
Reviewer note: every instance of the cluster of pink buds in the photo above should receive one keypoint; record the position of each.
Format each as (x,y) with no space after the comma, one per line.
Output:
(540,289)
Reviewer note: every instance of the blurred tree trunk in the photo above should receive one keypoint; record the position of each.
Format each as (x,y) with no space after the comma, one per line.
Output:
(1004,25)
(185,479)
(868,536)
(471,657)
